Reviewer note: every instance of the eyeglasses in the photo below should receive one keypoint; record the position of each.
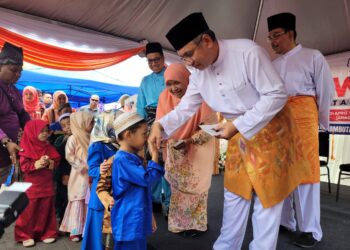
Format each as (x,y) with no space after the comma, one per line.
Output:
(94,100)
(187,57)
(275,36)
(154,60)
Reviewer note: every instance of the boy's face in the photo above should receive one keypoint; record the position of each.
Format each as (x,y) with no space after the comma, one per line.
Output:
(65,124)
(138,139)
(44,134)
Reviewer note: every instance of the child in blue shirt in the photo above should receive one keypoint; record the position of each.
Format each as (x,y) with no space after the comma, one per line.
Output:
(131,214)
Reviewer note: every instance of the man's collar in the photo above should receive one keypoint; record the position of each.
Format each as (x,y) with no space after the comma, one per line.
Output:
(222,51)
(292,51)
(160,72)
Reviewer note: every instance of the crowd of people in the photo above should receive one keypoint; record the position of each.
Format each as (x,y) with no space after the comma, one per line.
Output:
(96,179)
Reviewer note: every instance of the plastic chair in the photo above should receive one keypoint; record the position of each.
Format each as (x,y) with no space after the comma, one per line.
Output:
(344,169)
(323,142)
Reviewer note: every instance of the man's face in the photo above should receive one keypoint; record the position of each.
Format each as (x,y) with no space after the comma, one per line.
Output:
(155,61)
(47,98)
(280,40)
(94,102)
(9,73)
(199,55)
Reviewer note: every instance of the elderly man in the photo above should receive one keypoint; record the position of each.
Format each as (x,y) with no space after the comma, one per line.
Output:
(309,84)
(237,79)
(47,99)
(12,114)
(93,106)
(147,100)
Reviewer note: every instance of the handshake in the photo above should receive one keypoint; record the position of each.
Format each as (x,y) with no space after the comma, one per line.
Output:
(44,162)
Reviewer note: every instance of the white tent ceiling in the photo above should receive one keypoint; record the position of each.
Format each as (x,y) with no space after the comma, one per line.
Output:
(321,24)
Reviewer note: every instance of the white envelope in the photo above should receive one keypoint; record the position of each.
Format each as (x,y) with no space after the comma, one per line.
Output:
(210,129)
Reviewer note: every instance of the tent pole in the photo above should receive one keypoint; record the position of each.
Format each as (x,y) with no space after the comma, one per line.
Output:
(258,19)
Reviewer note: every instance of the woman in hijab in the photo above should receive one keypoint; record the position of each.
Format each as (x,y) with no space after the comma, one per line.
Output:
(190,155)
(81,124)
(102,146)
(31,102)
(51,114)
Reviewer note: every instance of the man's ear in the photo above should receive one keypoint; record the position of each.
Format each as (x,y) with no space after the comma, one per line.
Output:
(207,40)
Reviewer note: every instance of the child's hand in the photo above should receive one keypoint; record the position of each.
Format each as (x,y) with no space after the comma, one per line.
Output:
(154,224)
(65,179)
(104,166)
(153,151)
(51,165)
(111,203)
(45,160)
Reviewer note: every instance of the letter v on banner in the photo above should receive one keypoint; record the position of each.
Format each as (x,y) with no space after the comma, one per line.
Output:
(341,89)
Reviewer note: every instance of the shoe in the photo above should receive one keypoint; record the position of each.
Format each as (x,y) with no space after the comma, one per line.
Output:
(165,212)
(28,243)
(193,233)
(156,207)
(284,229)
(49,240)
(305,240)
(75,238)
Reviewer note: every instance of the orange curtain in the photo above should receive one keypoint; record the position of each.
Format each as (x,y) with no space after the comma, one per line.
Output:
(53,57)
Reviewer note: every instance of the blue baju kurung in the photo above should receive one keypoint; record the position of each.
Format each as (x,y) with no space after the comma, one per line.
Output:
(131,215)
(97,153)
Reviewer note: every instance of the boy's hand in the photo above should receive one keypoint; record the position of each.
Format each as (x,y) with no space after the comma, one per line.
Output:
(154,224)
(155,136)
(153,151)
(111,203)
(104,166)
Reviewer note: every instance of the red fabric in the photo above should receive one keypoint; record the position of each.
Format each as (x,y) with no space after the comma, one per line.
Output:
(41,179)
(32,147)
(37,221)
(53,57)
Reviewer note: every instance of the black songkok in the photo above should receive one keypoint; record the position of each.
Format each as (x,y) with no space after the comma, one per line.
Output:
(11,54)
(281,20)
(186,30)
(154,48)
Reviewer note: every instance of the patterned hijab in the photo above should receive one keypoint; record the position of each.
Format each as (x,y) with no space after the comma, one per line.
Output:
(79,123)
(103,130)
(34,105)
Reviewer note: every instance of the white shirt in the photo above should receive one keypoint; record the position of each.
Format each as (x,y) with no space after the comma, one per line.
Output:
(306,72)
(242,84)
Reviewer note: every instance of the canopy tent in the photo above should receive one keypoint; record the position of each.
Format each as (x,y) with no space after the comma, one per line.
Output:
(78,90)
(321,24)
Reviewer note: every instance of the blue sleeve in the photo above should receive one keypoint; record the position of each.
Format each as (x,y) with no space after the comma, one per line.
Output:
(95,158)
(136,174)
(141,100)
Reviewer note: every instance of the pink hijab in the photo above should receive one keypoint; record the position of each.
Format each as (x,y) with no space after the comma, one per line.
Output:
(34,105)
(167,102)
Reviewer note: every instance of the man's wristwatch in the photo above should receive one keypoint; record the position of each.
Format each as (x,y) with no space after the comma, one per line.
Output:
(5,142)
